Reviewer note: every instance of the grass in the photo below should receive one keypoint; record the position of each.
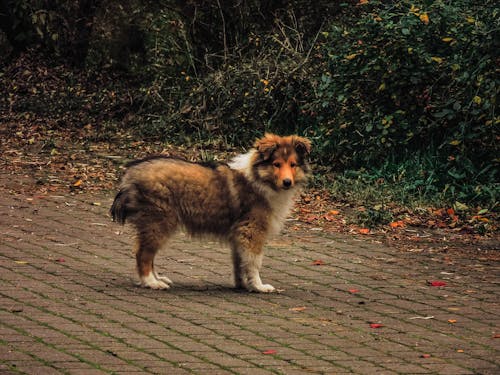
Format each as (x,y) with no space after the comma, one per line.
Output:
(413,185)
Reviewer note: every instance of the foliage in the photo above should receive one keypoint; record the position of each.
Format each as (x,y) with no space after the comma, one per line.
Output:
(403,77)
(403,91)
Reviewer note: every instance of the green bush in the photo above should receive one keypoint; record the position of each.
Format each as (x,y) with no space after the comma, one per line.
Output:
(400,77)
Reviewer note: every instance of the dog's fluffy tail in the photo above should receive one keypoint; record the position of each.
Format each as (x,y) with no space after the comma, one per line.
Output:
(123,205)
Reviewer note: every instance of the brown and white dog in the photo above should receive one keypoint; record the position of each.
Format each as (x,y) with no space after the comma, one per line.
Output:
(241,203)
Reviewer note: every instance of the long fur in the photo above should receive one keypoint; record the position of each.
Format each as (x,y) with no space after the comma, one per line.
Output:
(241,203)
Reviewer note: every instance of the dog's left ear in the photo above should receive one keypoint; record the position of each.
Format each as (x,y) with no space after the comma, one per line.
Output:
(266,145)
(302,145)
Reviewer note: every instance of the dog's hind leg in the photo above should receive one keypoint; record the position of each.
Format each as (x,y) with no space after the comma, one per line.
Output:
(239,281)
(150,239)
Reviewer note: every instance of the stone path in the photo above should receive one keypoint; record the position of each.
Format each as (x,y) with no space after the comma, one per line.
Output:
(68,303)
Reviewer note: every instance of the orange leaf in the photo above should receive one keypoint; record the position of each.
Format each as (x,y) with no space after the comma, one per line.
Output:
(424,17)
(270,351)
(376,325)
(450,211)
(318,262)
(397,224)
(311,218)
(77,183)
(452,321)
(364,231)
(353,291)
(425,356)
(297,309)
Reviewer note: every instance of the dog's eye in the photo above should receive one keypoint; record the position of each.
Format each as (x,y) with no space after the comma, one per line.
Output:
(277,164)
(293,165)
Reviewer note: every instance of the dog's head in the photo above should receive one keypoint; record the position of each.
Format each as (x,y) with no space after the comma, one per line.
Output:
(282,161)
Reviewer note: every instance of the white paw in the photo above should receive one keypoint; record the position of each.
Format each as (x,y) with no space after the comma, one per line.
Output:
(165,279)
(262,288)
(152,282)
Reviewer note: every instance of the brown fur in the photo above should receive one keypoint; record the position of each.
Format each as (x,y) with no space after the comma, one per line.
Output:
(241,203)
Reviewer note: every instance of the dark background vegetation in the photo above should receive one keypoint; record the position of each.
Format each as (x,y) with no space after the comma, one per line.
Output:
(398,94)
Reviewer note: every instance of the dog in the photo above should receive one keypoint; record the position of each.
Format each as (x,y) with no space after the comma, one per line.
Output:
(241,203)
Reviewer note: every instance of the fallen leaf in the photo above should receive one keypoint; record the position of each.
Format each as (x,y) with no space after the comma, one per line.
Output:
(21,262)
(318,262)
(60,260)
(437,283)
(298,309)
(452,321)
(353,291)
(376,325)
(77,183)
(397,224)
(497,336)
(270,351)
(460,350)
(425,356)
(311,218)
(364,231)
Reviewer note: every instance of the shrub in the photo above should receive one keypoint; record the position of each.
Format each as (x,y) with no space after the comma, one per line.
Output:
(399,77)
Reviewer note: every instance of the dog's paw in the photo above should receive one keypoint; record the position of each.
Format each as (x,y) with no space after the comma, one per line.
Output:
(262,288)
(152,282)
(164,279)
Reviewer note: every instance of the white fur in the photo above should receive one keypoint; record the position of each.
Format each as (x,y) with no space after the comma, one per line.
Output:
(153,282)
(252,263)
(242,162)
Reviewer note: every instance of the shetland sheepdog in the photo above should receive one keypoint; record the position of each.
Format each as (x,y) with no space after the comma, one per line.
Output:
(241,202)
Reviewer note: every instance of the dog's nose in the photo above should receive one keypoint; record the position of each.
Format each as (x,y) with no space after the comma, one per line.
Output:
(287,183)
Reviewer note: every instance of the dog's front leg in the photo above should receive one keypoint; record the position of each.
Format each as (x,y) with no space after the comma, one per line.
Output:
(247,242)
(252,262)
(246,271)
(247,261)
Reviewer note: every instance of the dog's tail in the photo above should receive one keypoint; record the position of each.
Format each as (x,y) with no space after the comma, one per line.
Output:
(123,205)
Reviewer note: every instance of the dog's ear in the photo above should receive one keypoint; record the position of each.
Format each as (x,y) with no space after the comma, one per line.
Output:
(266,145)
(302,145)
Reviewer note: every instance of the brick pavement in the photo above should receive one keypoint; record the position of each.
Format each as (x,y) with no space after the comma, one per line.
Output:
(68,303)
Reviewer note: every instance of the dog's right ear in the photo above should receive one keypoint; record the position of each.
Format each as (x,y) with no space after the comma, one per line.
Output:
(266,145)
